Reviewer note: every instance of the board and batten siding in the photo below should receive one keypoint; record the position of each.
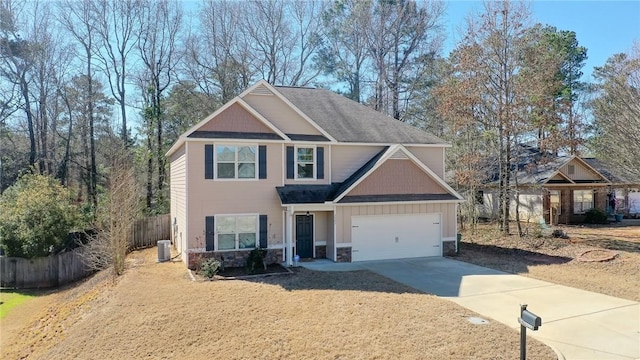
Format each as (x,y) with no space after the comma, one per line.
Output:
(236,119)
(384,180)
(432,157)
(580,172)
(178,177)
(280,114)
(346,159)
(344,213)
(208,197)
(330,235)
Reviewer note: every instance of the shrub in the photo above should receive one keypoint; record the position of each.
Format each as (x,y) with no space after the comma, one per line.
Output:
(595,216)
(37,215)
(255,261)
(210,267)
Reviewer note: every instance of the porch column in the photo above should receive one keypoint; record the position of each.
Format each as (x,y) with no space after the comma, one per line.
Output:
(289,235)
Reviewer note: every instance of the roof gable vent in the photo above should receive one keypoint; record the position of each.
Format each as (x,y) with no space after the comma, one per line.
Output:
(399,155)
(261,90)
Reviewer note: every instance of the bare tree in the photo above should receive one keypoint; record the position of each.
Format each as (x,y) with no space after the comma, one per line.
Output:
(161,24)
(404,39)
(616,111)
(17,57)
(217,56)
(344,51)
(116,218)
(284,39)
(77,17)
(116,25)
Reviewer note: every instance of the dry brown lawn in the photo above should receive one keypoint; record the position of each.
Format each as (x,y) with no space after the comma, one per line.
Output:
(156,311)
(569,261)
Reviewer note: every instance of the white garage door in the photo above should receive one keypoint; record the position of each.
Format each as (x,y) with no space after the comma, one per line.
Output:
(379,237)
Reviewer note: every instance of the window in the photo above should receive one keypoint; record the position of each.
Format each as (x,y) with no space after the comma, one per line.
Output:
(480,197)
(582,201)
(305,162)
(571,169)
(236,232)
(236,162)
(554,201)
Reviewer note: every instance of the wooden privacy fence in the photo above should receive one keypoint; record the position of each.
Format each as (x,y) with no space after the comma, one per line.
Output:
(67,267)
(146,232)
(50,271)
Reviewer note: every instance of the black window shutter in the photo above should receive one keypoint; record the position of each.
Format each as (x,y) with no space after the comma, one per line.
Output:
(263,231)
(209,232)
(320,162)
(290,169)
(208,161)
(262,162)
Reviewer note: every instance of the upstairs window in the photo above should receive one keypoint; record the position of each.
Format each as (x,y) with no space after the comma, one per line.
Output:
(305,162)
(236,162)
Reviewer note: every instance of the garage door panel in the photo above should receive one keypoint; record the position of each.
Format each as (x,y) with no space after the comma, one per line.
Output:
(381,237)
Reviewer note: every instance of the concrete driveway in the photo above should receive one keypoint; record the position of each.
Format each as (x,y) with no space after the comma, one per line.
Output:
(577,324)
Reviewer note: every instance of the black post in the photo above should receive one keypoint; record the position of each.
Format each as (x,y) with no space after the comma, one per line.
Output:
(523,336)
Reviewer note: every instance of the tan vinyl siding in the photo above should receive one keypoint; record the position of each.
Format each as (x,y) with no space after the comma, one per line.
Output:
(344,214)
(346,159)
(236,119)
(214,197)
(580,172)
(330,239)
(280,114)
(320,227)
(178,177)
(432,157)
(384,180)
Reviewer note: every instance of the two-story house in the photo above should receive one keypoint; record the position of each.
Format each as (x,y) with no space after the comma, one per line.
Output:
(304,171)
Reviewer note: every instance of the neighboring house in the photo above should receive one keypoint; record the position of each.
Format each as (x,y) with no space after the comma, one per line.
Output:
(562,189)
(303,171)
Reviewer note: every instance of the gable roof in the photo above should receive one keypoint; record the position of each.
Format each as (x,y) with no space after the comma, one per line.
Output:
(538,167)
(349,121)
(338,192)
(614,175)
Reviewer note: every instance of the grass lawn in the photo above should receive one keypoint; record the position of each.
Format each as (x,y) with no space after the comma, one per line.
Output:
(156,311)
(563,261)
(10,299)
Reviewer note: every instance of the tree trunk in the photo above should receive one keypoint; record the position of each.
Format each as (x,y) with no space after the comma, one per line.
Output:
(27,108)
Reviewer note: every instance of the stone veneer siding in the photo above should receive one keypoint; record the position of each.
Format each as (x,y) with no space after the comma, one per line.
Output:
(232,258)
(448,248)
(343,254)
(321,252)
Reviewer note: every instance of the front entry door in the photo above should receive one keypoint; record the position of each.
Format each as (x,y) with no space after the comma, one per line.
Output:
(304,235)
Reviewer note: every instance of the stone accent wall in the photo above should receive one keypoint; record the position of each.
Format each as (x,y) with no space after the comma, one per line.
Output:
(321,252)
(232,258)
(343,254)
(449,248)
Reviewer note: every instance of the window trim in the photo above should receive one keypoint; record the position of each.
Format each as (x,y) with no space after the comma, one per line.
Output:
(236,163)
(313,163)
(575,201)
(216,246)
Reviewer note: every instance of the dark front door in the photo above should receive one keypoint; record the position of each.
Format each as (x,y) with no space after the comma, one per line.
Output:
(304,235)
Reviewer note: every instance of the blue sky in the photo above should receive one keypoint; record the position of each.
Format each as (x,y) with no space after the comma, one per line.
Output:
(603,27)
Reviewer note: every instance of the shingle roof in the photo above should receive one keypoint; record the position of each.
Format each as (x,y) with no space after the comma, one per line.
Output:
(349,121)
(616,177)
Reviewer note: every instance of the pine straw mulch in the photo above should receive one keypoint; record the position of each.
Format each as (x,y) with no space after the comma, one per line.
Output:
(156,311)
(603,259)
